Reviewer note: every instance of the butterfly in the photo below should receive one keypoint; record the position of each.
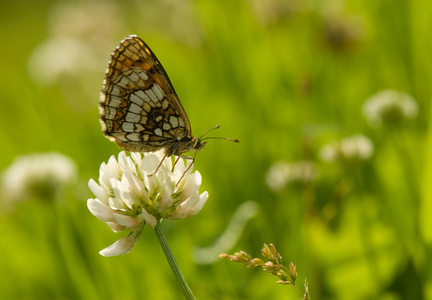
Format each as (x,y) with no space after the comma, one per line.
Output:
(139,108)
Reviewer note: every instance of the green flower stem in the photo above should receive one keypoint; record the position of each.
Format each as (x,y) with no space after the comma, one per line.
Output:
(173,264)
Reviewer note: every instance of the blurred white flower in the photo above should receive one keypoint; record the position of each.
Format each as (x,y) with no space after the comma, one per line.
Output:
(38,175)
(60,56)
(341,31)
(175,19)
(127,198)
(86,19)
(281,174)
(81,35)
(389,107)
(269,12)
(356,148)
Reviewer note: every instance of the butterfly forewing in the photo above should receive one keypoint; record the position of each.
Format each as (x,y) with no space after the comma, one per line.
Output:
(140,110)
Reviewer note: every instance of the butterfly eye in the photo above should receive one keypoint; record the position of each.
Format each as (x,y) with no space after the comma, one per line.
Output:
(198,145)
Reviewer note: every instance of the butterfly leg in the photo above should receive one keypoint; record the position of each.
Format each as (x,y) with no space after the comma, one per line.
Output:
(160,164)
(175,162)
(187,169)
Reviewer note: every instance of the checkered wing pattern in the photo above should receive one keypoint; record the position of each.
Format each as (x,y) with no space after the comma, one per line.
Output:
(139,108)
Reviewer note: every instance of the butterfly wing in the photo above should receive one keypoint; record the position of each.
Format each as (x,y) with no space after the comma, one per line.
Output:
(139,108)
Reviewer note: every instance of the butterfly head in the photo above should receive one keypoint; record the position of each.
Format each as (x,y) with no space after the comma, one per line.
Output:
(187,144)
(198,145)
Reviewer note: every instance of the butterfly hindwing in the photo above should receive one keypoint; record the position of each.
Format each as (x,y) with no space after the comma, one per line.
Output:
(140,110)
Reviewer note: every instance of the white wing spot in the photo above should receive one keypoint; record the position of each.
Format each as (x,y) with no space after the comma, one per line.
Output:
(181,122)
(143,75)
(124,81)
(135,108)
(112,112)
(134,137)
(114,101)
(165,104)
(128,127)
(135,99)
(134,77)
(140,94)
(173,121)
(133,118)
(158,91)
(166,126)
(115,91)
(152,96)
(158,131)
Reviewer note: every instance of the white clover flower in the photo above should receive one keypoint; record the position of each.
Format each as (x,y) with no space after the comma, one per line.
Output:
(281,174)
(356,148)
(40,175)
(127,198)
(389,107)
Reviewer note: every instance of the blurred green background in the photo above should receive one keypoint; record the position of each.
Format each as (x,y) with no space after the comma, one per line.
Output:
(284,77)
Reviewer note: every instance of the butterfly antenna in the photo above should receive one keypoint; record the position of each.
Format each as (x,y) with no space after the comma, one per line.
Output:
(216,127)
(221,138)
(217,137)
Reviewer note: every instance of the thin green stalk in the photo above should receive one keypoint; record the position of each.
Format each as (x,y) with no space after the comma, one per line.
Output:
(173,264)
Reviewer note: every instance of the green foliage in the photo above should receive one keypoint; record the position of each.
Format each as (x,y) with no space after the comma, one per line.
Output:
(285,80)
